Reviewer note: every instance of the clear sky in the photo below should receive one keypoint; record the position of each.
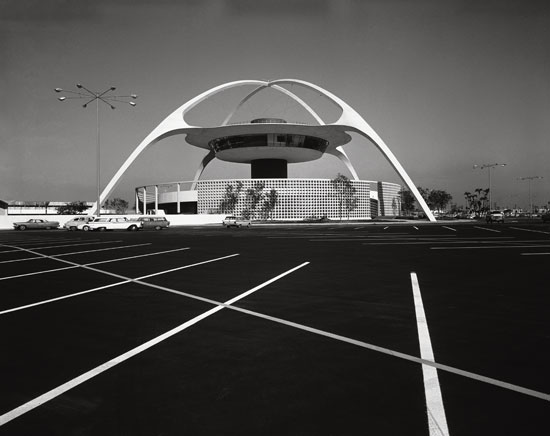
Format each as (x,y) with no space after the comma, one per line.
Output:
(447,84)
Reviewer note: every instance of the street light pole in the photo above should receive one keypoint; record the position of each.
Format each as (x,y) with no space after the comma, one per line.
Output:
(530,200)
(489,167)
(107,98)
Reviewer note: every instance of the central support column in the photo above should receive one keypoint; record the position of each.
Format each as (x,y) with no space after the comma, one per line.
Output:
(269,169)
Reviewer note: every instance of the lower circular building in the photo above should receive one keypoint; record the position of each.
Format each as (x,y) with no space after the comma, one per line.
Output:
(268,146)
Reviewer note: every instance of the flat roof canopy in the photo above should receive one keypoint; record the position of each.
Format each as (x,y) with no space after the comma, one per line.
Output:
(334,134)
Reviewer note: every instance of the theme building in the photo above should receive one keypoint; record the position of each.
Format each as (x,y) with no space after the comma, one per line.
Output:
(269,145)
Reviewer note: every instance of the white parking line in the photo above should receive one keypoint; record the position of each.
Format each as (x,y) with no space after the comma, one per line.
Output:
(76,265)
(30,405)
(535,254)
(449,228)
(385,227)
(437,420)
(126,280)
(397,354)
(490,248)
(414,227)
(529,230)
(56,246)
(76,252)
(485,228)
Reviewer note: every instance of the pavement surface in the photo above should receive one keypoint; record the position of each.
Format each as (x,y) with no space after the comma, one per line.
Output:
(402,329)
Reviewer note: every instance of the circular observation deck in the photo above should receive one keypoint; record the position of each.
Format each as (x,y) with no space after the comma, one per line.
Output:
(269,139)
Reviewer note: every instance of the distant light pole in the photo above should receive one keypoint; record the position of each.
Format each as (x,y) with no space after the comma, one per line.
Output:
(489,167)
(106,97)
(529,178)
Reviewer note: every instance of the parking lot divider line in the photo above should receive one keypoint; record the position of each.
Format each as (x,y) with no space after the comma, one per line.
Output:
(76,265)
(76,252)
(490,230)
(398,354)
(124,281)
(55,246)
(30,405)
(449,228)
(416,228)
(529,230)
(437,420)
(491,247)
(535,254)
(366,345)
(63,297)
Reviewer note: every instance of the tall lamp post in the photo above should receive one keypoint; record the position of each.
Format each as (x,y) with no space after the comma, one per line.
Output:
(529,178)
(489,168)
(106,97)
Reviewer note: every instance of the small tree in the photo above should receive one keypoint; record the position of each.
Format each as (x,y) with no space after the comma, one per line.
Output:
(407,200)
(230,198)
(254,196)
(269,203)
(436,199)
(345,193)
(72,208)
(118,204)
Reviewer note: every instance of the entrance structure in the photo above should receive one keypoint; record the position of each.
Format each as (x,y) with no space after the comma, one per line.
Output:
(268,145)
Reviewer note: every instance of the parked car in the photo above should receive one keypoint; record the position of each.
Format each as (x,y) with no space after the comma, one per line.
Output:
(234,221)
(545,217)
(154,222)
(106,223)
(74,223)
(495,216)
(36,223)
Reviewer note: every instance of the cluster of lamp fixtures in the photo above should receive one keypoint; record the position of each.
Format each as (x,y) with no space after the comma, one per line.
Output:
(105,96)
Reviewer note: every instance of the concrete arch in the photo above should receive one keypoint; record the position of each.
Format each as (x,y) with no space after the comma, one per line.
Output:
(352,121)
(173,124)
(280,89)
(349,120)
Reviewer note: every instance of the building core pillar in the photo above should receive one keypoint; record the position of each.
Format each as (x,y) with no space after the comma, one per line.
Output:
(269,169)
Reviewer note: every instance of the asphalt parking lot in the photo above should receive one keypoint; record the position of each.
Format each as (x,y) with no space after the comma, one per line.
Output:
(402,329)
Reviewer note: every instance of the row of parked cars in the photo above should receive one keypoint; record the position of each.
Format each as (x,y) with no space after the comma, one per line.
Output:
(101,223)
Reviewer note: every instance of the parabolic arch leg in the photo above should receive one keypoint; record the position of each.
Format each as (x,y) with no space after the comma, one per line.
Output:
(350,120)
(173,124)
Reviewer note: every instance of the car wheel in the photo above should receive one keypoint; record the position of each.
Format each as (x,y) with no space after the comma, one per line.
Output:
(248,225)
(239,226)
(22,227)
(48,228)
(86,228)
(72,229)
(102,229)
(158,227)
(132,228)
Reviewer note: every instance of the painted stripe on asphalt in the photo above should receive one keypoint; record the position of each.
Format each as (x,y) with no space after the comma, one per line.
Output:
(535,254)
(449,228)
(76,265)
(415,227)
(493,247)
(437,420)
(49,241)
(485,228)
(57,246)
(372,347)
(529,230)
(30,405)
(76,252)
(126,280)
